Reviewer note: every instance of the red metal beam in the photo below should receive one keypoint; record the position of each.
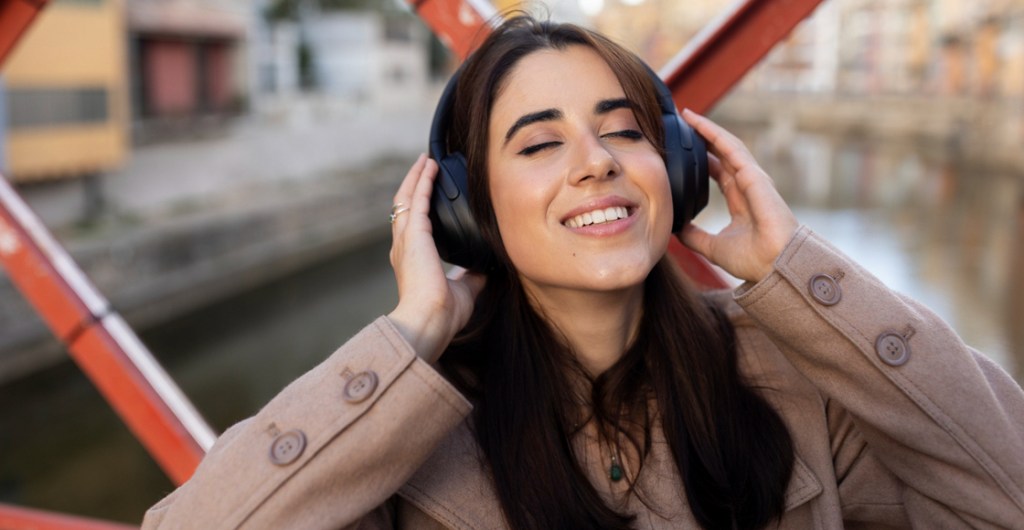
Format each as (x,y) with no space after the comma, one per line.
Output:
(460,24)
(721,54)
(100,342)
(15,517)
(15,18)
(713,62)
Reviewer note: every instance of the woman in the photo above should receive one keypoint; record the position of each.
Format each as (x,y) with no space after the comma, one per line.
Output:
(586,386)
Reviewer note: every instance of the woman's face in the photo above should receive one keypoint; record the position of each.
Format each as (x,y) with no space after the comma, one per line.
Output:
(581,197)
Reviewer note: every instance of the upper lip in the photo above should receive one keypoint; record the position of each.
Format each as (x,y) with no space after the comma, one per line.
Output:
(599,204)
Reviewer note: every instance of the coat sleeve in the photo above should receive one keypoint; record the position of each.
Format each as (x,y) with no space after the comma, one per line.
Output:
(942,419)
(329,450)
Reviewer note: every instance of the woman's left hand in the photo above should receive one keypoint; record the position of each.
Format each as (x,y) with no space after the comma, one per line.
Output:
(761,222)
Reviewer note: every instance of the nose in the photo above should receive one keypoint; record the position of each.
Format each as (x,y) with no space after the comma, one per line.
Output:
(594,161)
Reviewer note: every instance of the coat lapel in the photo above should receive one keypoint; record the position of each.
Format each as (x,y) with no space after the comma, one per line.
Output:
(453,487)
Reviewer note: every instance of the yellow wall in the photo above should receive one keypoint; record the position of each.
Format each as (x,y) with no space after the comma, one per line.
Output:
(71,45)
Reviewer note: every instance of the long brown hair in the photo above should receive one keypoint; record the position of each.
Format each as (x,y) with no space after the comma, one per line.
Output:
(524,379)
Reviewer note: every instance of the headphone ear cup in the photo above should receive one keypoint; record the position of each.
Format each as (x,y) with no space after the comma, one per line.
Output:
(686,161)
(456,234)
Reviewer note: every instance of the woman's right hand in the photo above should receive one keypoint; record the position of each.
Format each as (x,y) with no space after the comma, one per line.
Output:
(432,307)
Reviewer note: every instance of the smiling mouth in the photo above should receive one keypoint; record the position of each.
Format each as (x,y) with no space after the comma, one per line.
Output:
(596,217)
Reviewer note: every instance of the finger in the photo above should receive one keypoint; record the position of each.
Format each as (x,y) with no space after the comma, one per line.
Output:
(719,171)
(697,239)
(408,184)
(417,204)
(424,188)
(730,149)
(732,154)
(724,164)
(725,178)
(715,167)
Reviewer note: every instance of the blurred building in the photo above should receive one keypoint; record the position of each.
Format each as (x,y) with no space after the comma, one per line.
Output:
(340,58)
(369,57)
(92,75)
(188,62)
(66,94)
(902,47)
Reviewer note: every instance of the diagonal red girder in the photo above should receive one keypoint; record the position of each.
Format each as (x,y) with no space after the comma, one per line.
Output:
(727,48)
(15,17)
(98,340)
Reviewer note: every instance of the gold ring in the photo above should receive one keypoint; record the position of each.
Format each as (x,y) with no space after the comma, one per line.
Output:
(397,210)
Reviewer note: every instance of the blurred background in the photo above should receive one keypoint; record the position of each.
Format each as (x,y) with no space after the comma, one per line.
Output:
(222,170)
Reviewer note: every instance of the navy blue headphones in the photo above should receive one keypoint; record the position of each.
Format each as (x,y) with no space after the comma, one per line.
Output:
(456,233)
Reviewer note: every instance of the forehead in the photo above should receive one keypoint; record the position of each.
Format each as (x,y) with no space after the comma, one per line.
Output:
(562,79)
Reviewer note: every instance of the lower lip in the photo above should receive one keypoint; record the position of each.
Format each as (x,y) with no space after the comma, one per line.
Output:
(606,229)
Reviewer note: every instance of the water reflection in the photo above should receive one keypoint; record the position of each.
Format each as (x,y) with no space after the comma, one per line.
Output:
(943,233)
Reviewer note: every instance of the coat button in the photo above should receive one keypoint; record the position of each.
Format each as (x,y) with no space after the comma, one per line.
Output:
(360,387)
(892,348)
(825,289)
(287,447)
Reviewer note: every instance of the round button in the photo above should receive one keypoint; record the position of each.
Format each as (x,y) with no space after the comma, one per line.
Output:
(360,387)
(287,447)
(825,289)
(892,348)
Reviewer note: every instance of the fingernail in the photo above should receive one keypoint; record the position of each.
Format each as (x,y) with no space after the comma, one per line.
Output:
(688,111)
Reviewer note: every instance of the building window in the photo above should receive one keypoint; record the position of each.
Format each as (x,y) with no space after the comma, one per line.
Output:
(397,29)
(40,107)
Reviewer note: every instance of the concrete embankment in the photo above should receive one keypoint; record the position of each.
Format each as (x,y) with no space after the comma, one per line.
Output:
(191,223)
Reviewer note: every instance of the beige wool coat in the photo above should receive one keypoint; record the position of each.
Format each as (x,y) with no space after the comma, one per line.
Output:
(895,423)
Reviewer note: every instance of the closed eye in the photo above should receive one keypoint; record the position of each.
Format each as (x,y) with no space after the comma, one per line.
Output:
(529,150)
(629,134)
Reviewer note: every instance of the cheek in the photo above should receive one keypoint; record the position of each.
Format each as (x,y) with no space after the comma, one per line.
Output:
(520,211)
(659,192)
(522,198)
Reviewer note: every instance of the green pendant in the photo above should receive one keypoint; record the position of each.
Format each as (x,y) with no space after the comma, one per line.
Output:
(615,473)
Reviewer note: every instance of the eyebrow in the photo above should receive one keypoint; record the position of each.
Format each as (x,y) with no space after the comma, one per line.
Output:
(608,105)
(603,107)
(534,117)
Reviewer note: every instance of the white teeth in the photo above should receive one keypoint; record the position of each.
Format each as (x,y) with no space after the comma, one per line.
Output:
(598,216)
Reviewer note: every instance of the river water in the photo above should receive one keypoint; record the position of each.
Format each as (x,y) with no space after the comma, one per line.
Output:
(944,234)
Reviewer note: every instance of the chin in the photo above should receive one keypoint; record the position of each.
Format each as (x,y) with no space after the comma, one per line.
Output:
(618,280)
(618,276)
